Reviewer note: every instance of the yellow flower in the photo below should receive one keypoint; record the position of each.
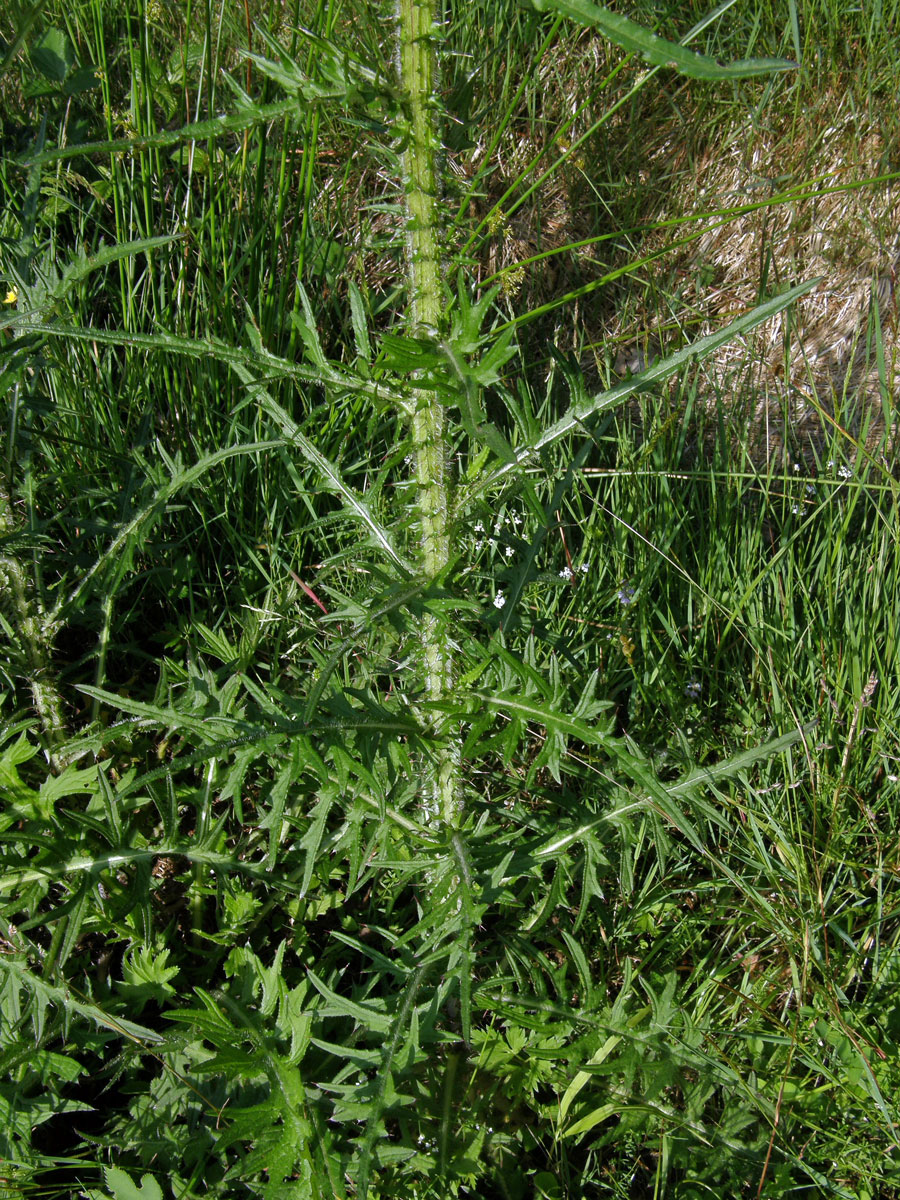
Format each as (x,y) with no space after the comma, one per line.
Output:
(11,296)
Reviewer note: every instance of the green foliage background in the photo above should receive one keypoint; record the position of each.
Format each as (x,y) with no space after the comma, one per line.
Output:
(650,947)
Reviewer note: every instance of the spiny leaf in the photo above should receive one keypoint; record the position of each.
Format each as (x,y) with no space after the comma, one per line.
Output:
(138,524)
(200,131)
(360,324)
(274,817)
(331,476)
(550,717)
(582,411)
(398,1027)
(64,998)
(312,839)
(656,50)
(339,1006)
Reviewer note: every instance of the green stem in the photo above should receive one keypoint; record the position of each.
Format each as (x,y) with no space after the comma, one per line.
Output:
(33,649)
(416,19)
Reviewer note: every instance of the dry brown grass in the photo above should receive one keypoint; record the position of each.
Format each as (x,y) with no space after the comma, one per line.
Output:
(721,206)
(776,205)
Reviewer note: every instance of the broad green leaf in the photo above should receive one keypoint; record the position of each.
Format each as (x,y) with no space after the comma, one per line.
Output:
(27,1112)
(17,799)
(583,1077)
(603,1113)
(53,55)
(82,79)
(123,1187)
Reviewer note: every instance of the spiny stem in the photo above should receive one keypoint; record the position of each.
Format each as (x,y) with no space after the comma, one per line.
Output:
(416,18)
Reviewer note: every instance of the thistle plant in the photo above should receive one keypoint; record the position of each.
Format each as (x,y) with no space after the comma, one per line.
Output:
(396,845)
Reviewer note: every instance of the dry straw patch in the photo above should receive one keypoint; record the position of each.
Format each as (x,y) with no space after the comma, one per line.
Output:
(721,217)
(828,368)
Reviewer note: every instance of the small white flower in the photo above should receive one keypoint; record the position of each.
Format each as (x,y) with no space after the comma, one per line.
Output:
(583,568)
(479,526)
(509,551)
(499,600)
(693,690)
(810,490)
(566,574)
(796,468)
(844,471)
(516,520)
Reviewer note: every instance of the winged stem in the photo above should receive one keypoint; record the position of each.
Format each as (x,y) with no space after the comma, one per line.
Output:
(417,77)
